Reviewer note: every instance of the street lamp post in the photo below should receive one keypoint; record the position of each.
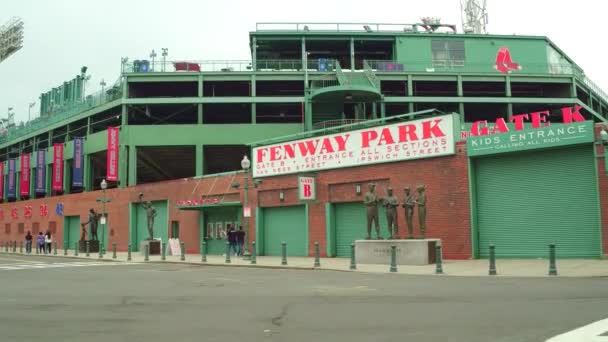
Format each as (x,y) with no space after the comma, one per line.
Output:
(152,57)
(29,110)
(164,54)
(103,200)
(246,164)
(103,87)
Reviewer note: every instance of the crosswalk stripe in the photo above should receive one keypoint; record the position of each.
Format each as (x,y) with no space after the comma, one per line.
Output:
(39,265)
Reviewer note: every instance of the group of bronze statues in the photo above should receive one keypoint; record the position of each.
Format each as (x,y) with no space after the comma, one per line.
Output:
(391,203)
(94,220)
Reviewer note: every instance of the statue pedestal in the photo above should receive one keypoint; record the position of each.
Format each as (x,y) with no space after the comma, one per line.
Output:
(153,247)
(93,246)
(409,252)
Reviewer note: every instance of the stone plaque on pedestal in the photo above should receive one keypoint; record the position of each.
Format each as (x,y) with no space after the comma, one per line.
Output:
(409,252)
(153,247)
(93,246)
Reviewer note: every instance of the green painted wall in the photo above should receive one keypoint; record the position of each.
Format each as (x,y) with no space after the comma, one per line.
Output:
(480,53)
(139,223)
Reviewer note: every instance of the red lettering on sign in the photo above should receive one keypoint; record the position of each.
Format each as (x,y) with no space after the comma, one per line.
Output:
(570,115)
(44,211)
(27,211)
(538,117)
(367,137)
(14,213)
(307,190)
(431,129)
(500,126)
(519,121)
(386,136)
(308,147)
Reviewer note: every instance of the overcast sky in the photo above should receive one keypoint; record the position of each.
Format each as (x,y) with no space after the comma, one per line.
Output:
(63,35)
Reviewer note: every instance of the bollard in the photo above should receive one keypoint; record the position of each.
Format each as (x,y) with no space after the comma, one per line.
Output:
(100,250)
(552,267)
(492,270)
(353,264)
(317,252)
(65,248)
(87,248)
(114,250)
(283,253)
(163,247)
(146,253)
(393,258)
(204,251)
(438,260)
(20,247)
(129,253)
(227,252)
(183,250)
(75,249)
(253,254)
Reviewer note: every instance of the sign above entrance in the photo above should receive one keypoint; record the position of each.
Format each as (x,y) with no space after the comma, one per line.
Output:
(205,201)
(423,138)
(532,138)
(307,188)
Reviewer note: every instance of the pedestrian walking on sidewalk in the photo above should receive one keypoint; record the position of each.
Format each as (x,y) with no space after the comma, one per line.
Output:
(47,241)
(240,241)
(28,242)
(40,243)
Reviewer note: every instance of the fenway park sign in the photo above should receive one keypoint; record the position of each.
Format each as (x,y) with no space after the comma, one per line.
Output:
(423,138)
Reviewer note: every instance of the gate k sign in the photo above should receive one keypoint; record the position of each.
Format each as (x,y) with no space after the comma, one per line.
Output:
(307,188)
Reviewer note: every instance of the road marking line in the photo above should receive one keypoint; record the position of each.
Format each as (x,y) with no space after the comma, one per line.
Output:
(594,332)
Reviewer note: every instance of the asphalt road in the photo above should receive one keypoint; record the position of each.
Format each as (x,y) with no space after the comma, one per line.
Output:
(171,302)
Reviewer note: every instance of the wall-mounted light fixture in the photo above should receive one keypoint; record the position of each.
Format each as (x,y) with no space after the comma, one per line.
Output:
(358,189)
(282,195)
(604,136)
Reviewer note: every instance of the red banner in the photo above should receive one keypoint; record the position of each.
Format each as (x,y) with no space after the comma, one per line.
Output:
(58,167)
(112,161)
(25,175)
(1,180)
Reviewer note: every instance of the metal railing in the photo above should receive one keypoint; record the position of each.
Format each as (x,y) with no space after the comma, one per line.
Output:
(335,123)
(146,66)
(279,65)
(325,81)
(371,75)
(60,114)
(342,27)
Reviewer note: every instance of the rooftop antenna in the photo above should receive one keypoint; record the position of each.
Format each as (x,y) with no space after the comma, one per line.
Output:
(474,16)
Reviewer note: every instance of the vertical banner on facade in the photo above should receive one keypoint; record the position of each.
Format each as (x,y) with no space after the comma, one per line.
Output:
(58,167)
(78,163)
(25,175)
(112,160)
(41,172)
(1,180)
(11,190)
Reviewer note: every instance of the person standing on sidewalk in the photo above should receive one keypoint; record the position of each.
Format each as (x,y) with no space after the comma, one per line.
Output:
(240,241)
(40,243)
(232,239)
(28,242)
(47,241)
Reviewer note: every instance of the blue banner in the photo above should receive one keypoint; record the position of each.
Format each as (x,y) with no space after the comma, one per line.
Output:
(11,189)
(41,172)
(78,163)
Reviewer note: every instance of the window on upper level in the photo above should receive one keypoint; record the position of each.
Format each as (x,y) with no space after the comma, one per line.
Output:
(447,53)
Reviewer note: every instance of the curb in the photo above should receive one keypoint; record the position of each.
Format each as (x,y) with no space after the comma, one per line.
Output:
(92,258)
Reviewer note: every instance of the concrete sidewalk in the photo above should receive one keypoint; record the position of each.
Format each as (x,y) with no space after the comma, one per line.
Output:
(509,267)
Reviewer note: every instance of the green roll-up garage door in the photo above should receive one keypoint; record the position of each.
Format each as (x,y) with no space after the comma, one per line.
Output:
(527,200)
(351,225)
(285,224)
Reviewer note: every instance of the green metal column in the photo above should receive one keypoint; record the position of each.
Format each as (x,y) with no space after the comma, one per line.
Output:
(509,110)
(88,126)
(459,90)
(308,113)
(461,111)
(573,88)
(352,54)
(199,160)
(304,57)
(17,183)
(87,173)
(123,116)
(410,86)
(123,165)
(382,108)
(508,85)
(199,113)
(253,94)
(200,86)
(125,87)
(132,165)
(254,53)
(66,176)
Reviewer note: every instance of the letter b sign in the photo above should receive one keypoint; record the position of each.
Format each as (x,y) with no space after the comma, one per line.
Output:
(306,188)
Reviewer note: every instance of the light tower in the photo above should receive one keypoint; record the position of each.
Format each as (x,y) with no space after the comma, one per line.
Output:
(11,38)
(474,16)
